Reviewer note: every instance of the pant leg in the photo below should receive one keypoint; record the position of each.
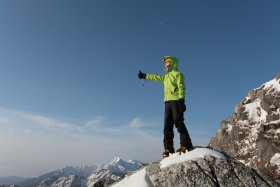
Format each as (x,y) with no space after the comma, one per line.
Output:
(178,118)
(168,128)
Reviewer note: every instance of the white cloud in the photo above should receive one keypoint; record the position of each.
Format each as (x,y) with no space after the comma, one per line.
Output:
(95,122)
(136,123)
(139,123)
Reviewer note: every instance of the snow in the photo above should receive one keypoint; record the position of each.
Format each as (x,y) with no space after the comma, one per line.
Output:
(274,122)
(271,131)
(272,107)
(275,160)
(139,179)
(193,155)
(273,84)
(94,178)
(121,167)
(255,112)
(229,128)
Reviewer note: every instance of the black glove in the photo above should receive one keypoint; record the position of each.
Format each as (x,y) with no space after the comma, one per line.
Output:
(141,75)
(182,106)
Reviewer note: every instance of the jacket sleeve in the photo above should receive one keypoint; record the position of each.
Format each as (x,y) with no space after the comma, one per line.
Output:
(181,86)
(155,77)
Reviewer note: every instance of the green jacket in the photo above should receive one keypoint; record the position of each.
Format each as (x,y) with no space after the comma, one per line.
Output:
(173,80)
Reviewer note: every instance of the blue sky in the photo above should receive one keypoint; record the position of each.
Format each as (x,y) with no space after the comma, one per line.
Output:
(69,91)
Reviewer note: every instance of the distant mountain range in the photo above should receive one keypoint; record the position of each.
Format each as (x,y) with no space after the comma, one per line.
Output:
(11,180)
(85,176)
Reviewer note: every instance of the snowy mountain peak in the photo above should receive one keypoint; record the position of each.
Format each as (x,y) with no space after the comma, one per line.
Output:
(121,167)
(117,160)
(274,84)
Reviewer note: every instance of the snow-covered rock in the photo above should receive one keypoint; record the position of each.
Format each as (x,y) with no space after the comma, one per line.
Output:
(193,155)
(252,133)
(200,167)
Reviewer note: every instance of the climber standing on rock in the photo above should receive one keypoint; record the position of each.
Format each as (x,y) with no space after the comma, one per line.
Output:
(174,99)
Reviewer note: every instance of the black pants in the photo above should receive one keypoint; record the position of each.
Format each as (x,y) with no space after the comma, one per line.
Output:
(172,116)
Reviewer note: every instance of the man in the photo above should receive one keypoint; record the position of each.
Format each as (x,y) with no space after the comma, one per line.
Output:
(174,99)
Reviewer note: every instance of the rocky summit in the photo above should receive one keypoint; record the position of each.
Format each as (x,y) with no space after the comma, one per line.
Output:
(252,133)
(207,171)
(201,167)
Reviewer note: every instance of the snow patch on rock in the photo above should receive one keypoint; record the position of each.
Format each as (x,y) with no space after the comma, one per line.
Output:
(275,161)
(255,112)
(192,155)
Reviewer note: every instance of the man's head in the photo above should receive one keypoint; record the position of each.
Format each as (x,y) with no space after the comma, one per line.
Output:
(170,63)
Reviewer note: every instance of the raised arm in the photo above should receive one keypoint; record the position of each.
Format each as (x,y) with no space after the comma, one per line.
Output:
(154,77)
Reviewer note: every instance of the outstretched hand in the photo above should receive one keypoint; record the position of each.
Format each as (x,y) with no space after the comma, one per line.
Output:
(141,75)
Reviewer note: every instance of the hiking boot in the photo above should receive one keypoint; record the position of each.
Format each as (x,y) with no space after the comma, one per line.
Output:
(181,150)
(166,153)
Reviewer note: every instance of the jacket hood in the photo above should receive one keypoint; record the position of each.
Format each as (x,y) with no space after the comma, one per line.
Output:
(173,63)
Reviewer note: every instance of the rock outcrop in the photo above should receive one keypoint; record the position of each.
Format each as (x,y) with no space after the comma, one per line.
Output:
(252,133)
(207,171)
(201,167)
